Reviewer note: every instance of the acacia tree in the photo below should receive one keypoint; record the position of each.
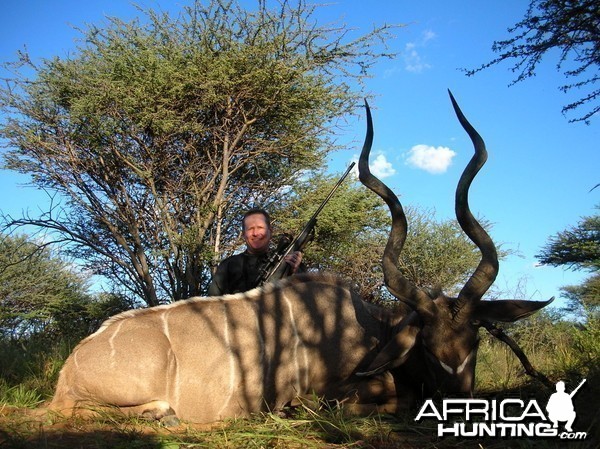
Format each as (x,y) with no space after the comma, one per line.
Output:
(577,248)
(570,26)
(155,132)
(41,295)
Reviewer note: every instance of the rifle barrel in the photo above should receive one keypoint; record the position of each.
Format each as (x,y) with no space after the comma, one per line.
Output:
(274,266)
(335,187)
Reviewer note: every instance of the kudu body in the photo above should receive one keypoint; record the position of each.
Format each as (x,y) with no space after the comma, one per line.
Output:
(205,359)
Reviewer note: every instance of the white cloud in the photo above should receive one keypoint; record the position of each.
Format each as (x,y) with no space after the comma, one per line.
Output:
(427,36)
(431,159)
(379,166)
(413,62)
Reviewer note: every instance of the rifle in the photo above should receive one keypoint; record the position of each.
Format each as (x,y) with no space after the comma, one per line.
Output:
(276,266)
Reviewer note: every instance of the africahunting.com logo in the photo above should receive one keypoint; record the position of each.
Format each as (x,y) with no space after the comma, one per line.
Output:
(506,417)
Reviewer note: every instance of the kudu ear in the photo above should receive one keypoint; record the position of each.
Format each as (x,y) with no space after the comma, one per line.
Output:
(394,353)
(507,310)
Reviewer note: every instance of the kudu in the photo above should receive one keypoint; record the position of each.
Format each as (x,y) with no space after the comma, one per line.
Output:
(205,359)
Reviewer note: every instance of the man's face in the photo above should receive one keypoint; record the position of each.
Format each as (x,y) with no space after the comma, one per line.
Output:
(256,233)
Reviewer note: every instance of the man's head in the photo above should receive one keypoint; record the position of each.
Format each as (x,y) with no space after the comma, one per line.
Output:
(256,229)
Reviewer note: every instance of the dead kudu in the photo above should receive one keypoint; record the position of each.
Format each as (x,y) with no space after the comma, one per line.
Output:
(205,359)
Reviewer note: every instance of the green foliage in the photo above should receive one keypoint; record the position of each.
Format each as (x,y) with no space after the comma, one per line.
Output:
(35,288)
(586,295)
(437,254)
(19,396)
(41,296)
(44,309)
(569,27)
(155,131)
(354,227)
(558,348)
(578,248)
(30,369)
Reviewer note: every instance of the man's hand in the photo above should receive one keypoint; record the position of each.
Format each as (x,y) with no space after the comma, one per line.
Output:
(294,259)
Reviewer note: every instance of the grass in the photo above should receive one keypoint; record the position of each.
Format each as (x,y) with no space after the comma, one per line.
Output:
(302,430)
(19,396)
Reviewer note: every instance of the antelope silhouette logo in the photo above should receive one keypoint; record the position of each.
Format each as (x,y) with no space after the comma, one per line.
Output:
(560,406)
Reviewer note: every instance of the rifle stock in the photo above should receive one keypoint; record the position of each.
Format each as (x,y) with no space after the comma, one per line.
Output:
(277,267)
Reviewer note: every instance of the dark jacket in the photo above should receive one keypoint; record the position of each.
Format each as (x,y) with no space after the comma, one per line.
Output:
(237,273)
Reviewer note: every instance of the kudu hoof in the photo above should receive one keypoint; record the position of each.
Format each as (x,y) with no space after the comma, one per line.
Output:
(170,421)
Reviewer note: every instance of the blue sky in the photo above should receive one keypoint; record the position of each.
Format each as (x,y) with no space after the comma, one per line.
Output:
(540,168)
